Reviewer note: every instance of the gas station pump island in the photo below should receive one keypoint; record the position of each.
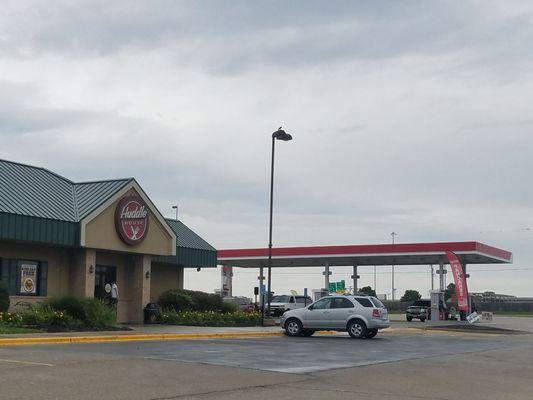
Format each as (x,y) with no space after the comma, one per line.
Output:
(456,254)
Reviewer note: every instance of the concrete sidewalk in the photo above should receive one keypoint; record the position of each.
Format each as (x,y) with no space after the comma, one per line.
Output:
(173,332)
(140,333)
(517,323)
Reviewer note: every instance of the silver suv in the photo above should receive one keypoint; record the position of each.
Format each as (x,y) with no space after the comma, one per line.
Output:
(360,316)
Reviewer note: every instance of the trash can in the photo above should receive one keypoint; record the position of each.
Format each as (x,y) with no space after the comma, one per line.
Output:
(151,311)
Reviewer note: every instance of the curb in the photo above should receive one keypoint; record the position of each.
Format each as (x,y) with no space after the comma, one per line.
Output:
(132,338)
(490,331)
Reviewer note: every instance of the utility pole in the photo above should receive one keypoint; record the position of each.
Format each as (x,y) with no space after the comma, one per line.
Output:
(393,234)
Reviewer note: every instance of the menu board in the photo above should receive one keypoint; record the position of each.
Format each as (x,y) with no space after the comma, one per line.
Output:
(28,278)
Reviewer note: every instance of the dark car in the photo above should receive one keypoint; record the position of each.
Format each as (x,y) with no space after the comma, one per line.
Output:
(420,309)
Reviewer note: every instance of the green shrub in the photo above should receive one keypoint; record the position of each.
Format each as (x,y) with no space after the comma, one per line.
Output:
(4,298)
(71,305)
(209,318)
(90,312)
(176,299)
(97,314)
(46,317)
(12,319)
(202,301)
(229,307)
(189,300)
(65,313)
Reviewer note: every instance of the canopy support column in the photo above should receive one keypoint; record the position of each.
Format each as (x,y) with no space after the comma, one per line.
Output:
(441,272)
(466,280)
(326,274)
(355,277)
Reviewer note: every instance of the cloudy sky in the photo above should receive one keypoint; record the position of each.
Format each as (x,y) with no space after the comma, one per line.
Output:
(412,117)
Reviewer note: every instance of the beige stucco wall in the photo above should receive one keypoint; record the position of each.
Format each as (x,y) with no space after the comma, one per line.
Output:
(58,269)
(58,263)
(165,277)
(69,273)
(100,233)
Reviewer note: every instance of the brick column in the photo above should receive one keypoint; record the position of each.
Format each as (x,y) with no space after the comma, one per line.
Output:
(140,287)
(81,274)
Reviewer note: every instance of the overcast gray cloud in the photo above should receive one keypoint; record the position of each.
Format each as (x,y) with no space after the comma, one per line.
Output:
(407,116)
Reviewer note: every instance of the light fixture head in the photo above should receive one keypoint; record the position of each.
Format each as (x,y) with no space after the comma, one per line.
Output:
(280,134)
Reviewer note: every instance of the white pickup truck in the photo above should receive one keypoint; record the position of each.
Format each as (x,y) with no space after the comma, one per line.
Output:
(280,304)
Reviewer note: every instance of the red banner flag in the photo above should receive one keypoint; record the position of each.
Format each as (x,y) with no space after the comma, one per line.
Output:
(461,290)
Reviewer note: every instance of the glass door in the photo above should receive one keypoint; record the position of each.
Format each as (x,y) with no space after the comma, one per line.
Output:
(104,276)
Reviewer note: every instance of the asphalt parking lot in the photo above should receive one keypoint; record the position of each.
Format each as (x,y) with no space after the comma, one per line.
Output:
(448,365)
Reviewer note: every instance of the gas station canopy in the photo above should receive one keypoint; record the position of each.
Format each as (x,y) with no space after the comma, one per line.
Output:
(378,254)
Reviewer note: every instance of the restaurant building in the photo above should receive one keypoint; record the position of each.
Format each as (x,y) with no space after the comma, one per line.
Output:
(60,237)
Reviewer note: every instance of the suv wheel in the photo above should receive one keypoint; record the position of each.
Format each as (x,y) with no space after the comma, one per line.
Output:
(357,328)
(409,319)
(422,320)
(371,333)
(293,327)
(308,332)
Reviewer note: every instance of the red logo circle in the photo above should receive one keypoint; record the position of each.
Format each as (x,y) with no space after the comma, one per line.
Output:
(131,220)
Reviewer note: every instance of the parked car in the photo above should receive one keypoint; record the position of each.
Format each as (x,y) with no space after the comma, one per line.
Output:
(243,303)
(280,304)
(420,309)
(360,316)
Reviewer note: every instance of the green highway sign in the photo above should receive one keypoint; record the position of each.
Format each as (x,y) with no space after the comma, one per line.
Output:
(337,286)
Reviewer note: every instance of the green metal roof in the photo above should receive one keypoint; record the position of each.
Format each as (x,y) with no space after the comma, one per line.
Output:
(37,205)
(191,250)
(39,230)
(186,237)
(38,192)
(89,195)
(35,192)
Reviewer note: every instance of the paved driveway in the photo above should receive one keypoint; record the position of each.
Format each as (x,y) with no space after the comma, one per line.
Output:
(295,355)
(333,367)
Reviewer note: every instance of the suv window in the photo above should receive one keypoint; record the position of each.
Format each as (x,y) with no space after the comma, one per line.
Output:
(340,302)
(322,304)
(365,302)
(376,302)
(292,300)
(422,303)
(303,300)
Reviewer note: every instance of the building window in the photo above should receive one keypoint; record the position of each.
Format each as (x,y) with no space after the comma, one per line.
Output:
(24,277)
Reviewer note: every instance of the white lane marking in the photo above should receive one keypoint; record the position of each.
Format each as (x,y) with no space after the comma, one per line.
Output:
(26,362)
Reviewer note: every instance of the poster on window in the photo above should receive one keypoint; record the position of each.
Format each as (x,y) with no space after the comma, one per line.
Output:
(28,278)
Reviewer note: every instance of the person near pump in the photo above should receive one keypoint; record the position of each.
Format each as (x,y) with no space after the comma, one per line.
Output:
(442,310)
(114,295)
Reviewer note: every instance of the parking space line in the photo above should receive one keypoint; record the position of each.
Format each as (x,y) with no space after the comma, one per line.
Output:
(26,362)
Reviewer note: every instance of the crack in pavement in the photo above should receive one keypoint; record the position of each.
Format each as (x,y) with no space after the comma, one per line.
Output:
(374,393)
(234,390)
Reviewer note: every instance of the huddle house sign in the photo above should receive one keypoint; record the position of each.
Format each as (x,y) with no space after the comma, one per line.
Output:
(131,220)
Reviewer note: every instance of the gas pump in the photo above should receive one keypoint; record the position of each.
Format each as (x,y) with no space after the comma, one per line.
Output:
(437,300)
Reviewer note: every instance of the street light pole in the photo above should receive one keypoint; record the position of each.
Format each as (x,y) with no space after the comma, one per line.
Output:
(393,234)
(280,134)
